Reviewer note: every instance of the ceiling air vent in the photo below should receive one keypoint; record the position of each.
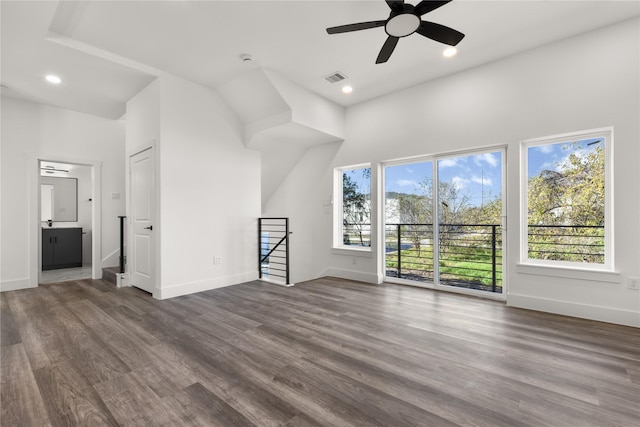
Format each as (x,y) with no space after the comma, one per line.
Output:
(335,77)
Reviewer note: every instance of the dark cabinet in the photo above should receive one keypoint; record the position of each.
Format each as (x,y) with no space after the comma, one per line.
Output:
(61,248)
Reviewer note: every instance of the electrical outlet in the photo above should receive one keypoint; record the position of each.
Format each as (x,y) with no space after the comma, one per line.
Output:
(217,260)
(634,283)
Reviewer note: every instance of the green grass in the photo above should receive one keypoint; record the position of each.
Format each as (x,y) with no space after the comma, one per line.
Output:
(458,263)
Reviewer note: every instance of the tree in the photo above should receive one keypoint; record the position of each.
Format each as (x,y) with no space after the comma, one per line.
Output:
(414,209)
(571,194)
(489,213)
(355,209)
(454,204)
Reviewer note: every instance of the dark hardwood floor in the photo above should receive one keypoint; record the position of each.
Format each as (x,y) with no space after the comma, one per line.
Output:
(328,352)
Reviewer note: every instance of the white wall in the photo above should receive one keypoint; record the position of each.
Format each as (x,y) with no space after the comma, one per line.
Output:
(303,198)
(33,131)
(585,82)
(208,187)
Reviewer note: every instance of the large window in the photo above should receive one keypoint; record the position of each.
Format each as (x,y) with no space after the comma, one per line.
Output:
(568,204)
(353,210)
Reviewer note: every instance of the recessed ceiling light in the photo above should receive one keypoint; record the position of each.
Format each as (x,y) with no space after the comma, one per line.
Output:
(52,78)
(449,52)
(347,89)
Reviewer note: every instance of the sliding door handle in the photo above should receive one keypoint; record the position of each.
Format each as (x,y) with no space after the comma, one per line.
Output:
(149,227)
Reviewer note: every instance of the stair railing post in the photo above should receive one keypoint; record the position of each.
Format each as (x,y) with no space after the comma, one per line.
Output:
(286,230)
(260,248)
(122,257)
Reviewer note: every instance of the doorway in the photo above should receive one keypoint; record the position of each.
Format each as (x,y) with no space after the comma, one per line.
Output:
(443,222)
(67,209)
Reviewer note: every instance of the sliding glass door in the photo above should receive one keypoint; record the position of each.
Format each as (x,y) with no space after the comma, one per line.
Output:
(409,246)
(448,234)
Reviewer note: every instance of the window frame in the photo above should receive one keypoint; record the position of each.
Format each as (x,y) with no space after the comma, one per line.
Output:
(338,224)
(607,135)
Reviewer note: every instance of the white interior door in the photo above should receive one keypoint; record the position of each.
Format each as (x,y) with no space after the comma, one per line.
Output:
(142,204)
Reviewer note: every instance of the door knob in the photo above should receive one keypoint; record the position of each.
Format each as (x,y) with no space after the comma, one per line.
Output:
(149,227)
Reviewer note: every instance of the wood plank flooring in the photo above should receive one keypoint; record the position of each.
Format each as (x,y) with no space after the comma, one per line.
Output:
(328,352)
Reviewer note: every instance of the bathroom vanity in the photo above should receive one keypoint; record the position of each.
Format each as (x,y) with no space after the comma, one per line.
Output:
(61,247)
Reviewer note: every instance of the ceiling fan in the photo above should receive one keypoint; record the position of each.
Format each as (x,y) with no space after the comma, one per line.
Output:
(403,21)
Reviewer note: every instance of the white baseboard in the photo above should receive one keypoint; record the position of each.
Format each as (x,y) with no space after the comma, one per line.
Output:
(14,285)
(275,282)
(204,285)
(584,311)
(351,275)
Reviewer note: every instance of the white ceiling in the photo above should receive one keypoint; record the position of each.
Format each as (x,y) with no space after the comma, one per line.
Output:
(106,51)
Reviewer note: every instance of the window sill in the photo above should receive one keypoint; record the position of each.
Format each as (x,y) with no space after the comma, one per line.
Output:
(570,272)
(360,251)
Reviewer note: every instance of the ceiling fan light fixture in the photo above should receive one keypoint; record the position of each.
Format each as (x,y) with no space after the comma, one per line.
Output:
(404,20)
(450,52)
(402,25)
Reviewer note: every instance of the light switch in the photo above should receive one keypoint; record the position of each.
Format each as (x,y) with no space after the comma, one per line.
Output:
(115,196)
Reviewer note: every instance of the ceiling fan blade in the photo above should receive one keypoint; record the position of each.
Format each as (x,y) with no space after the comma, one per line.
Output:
(440,33)
(396,6)
(427,6)
(387,49)
(355,27)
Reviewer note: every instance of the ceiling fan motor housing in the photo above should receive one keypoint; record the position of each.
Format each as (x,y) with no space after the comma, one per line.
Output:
(402,23)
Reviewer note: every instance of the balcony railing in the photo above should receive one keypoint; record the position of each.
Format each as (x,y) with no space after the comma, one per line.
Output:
(356,234)
(470,255)
(576,243)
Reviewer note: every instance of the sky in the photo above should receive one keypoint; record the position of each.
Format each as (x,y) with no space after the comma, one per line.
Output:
(551,156)
(479,176)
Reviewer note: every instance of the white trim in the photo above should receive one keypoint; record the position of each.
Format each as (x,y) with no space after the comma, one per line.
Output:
(584,311)
(572,272)
(359,251)
(35,223)
(609,254)
(451,289)
(438,156)
(204,285)
(14,285)
(338,208)
(433,159)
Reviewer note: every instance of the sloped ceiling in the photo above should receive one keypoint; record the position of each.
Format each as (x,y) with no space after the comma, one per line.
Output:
(281,120)
(106,51)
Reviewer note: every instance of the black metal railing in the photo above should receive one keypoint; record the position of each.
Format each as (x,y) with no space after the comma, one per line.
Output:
(273,249)
(356,234)
(576,243)
(123,258)
(470,255)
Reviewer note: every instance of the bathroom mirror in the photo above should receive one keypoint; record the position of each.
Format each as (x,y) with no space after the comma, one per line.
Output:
(59,199)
